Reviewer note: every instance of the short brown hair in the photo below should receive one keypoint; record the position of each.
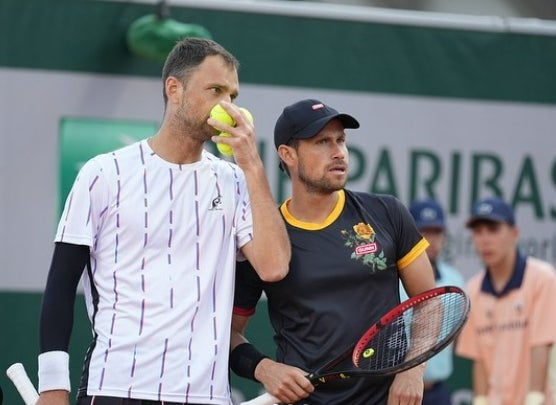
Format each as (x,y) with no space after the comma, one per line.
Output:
(189,53)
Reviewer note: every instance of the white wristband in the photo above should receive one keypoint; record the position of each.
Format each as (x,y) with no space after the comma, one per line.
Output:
(534,398)
(54,371)
(480,400)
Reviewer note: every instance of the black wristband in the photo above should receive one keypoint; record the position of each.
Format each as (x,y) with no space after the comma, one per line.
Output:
(244,359)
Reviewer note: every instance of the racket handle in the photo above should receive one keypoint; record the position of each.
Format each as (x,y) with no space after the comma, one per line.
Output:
(264,399)
(16,373)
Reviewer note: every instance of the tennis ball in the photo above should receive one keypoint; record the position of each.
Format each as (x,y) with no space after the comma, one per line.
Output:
(368,352)
(247,113)
(226,150)
(221,115)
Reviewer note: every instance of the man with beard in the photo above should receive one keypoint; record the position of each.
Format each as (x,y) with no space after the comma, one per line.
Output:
(157,226)
(349,251)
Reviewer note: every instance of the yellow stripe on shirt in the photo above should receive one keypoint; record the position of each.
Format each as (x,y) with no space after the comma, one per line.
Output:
(419,248)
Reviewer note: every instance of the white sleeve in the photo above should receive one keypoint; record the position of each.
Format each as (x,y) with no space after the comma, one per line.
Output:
(84,207)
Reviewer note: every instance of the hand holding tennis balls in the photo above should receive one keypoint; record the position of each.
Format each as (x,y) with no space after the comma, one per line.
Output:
(218,113)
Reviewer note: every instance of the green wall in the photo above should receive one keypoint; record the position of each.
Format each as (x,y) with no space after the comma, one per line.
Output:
(19,315)
(89,36)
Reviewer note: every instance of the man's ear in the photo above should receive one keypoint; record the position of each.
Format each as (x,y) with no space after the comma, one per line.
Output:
(174,89)
(287,154)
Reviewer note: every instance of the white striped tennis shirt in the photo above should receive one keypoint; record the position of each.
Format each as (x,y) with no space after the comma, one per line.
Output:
(163,240)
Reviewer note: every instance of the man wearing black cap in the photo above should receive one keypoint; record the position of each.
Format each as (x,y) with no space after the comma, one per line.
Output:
(349,251)
(430,220)
(511,327)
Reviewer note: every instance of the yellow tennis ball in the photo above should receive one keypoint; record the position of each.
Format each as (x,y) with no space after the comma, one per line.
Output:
(247,113)
(368,352)
(221,115)
(226,150)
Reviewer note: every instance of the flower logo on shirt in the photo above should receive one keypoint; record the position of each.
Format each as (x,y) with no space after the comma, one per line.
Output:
(364,231)
(362,239)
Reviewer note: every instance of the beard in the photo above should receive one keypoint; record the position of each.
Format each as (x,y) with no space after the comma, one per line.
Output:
(319,185)
(190,123)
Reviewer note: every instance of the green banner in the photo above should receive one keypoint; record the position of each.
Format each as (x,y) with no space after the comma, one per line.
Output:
(293,50)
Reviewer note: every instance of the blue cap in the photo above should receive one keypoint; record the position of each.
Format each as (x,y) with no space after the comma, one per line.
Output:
(493,209)
(427,214)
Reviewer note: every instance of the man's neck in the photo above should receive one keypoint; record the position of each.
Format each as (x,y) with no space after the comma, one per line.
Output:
(501,272)
(313,208)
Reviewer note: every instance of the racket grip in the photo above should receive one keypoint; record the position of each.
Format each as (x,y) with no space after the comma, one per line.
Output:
(16,373)
(264,399)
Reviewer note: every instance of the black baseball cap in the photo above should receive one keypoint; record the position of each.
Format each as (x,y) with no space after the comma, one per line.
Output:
(305,119)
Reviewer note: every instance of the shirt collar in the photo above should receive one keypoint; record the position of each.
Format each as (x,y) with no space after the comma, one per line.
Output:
(514,282)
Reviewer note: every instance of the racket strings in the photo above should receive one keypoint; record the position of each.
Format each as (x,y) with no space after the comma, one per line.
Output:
(414,332)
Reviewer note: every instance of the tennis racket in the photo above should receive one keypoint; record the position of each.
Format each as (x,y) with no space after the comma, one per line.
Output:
(16,373)
(408,335)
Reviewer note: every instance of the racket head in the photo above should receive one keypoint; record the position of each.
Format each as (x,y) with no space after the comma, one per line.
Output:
(412,332)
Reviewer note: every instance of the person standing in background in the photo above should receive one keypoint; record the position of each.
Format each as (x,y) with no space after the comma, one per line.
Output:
(430,220)
(511,328)
(154,229)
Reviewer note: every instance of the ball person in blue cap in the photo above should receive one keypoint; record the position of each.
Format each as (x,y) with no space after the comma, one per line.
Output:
(511,328)
(429,218)
(349,251)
